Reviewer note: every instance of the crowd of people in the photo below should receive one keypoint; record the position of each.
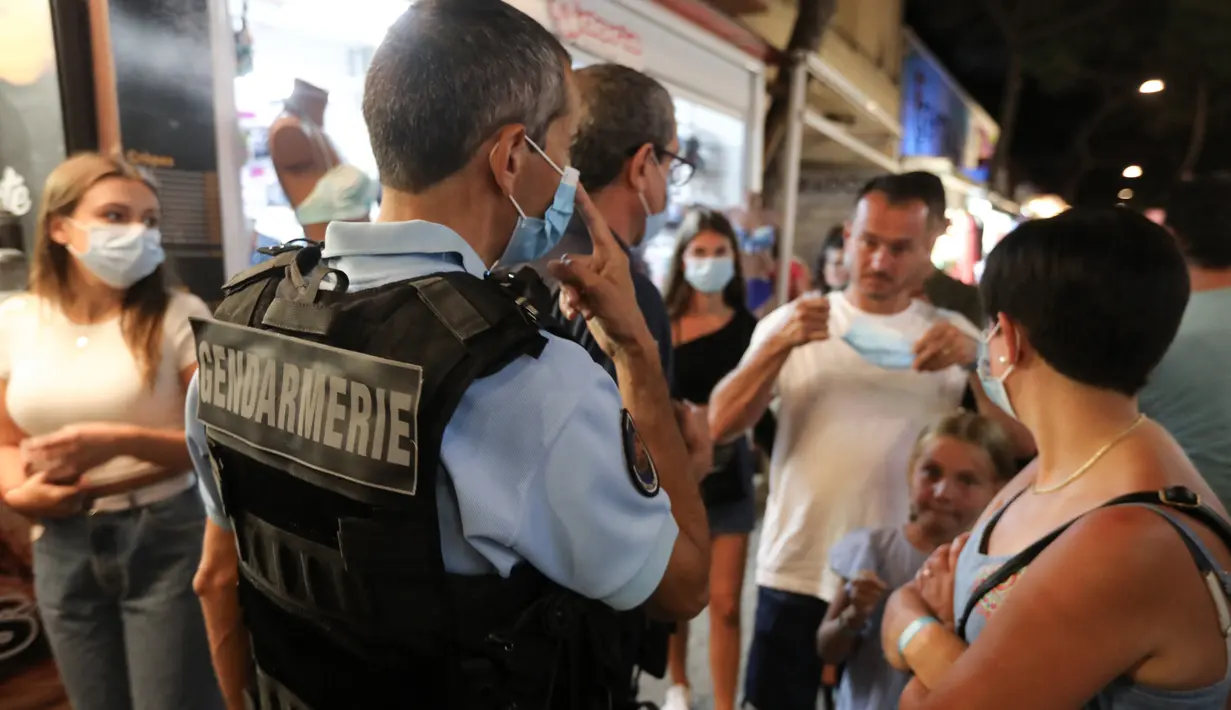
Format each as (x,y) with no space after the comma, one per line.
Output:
(517,470)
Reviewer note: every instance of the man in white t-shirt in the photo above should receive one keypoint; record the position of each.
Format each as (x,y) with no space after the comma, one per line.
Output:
(859,374)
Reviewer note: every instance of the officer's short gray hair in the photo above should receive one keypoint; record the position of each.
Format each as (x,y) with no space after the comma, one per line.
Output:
(621,110)
(448,75)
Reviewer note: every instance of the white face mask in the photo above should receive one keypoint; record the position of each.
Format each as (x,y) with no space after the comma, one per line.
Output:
(120,255)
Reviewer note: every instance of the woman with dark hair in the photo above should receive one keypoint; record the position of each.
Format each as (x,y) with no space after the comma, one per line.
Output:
(95,361)
(1098,577)
(711,328)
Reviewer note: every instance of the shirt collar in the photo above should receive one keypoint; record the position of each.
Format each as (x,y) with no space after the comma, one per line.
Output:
(401,239)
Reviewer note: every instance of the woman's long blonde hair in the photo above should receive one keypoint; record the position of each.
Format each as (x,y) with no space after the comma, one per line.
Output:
(145,302)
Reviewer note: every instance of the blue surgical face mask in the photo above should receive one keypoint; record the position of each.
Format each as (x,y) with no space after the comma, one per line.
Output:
(120,255)
(880,346)
(709,274)
(534,237)
(993,386)
(655,222)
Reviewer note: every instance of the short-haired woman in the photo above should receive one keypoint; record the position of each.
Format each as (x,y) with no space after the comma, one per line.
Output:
(1124,602)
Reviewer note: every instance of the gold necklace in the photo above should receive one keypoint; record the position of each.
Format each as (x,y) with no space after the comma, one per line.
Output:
(1092,460)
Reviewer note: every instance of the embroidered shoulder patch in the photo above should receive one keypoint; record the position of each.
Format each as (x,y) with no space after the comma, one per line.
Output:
(637,459)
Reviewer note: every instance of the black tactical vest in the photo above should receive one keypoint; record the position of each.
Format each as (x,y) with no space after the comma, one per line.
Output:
(324,412)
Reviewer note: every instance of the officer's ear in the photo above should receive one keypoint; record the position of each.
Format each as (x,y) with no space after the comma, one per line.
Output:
(508,156)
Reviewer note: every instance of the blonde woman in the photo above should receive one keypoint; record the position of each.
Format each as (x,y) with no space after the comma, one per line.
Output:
(95,360)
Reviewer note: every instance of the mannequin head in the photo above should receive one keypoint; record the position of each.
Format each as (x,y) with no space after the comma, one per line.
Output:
(626,147)
(470,107)
(308,101)
(1081,306)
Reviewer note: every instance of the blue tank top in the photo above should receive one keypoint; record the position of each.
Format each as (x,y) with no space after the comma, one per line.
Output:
(974,566)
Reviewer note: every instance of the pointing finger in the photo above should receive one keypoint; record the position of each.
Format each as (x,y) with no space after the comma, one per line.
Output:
(600,234)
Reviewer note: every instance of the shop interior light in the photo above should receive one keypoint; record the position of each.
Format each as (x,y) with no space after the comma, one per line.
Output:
(1044,206)
(1153,86)
(1125,194)
(1133,172)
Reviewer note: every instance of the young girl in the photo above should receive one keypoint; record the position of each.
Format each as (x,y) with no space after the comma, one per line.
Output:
(957,466)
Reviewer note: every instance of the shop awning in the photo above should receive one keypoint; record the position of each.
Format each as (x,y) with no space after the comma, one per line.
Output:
(851,107)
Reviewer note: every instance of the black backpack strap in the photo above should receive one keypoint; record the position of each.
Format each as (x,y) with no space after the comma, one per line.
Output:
(1176,498)
(538,299)
(1010,568)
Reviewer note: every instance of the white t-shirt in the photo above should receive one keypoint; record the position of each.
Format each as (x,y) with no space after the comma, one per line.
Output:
(62,373)
(845,431)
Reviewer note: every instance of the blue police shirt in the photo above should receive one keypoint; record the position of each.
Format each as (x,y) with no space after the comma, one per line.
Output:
(533,464)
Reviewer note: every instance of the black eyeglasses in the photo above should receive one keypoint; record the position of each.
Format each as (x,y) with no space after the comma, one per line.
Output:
(680,168)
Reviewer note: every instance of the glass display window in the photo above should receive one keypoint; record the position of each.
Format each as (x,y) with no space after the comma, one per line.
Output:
(324,43)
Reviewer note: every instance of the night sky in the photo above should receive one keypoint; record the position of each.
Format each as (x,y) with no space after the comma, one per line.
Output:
(1151,131)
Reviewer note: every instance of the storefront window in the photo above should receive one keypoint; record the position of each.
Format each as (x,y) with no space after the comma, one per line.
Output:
(326,44)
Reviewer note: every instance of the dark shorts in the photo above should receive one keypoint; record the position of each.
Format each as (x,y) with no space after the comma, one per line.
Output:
(784,672)
(729,495)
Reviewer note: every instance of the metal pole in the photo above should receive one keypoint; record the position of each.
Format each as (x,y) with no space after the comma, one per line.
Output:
(792,156)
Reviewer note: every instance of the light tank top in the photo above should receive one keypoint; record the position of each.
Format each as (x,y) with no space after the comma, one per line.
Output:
(974,566)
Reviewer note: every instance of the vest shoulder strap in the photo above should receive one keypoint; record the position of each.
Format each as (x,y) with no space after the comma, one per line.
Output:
(243,292)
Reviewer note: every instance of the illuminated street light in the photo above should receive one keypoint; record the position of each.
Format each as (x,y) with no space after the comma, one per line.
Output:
(1153,86)
(1126,194)
(1133,172)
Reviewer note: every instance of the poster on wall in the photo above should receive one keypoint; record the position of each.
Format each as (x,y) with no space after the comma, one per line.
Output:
(31,125)
(164,88)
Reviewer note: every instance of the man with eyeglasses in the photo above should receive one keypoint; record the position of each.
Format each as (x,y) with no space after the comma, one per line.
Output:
(627,153)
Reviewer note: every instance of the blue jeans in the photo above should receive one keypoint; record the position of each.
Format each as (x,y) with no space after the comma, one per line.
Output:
(115,592)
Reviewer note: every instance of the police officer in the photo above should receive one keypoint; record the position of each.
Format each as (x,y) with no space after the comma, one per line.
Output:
(435,502)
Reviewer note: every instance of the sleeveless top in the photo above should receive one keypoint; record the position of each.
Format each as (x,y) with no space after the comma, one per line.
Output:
(974,566)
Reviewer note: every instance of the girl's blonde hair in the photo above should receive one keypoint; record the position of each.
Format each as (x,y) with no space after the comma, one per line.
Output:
(976,430)
(145,303)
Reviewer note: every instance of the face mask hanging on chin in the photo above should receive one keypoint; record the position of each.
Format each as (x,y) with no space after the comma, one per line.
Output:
(534,237)
(880,346)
